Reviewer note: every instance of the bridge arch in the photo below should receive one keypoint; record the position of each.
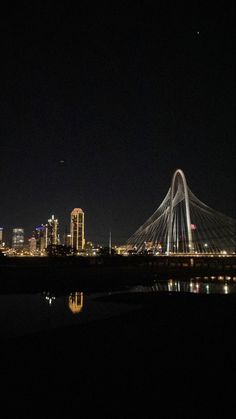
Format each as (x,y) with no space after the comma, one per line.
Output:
(179,174)
(170,230)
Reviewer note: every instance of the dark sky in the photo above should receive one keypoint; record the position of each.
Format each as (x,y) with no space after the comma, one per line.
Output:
(124,96)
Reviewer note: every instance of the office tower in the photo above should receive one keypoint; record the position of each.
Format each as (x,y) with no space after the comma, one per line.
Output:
(18,238)
(1,236)
(32,245)
(52,232)
(41,238)
(66,238)
(77,229)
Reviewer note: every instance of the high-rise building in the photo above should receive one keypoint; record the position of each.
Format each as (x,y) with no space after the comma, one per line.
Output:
(32,245)
(52,236)
(18,238)
(1,236)
(66,239)
(77,229)
(41,238)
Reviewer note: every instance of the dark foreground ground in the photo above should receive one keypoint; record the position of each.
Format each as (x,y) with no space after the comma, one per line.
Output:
(118,360)
(111,367)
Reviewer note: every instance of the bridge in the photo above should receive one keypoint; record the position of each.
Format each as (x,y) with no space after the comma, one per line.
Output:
(183,224)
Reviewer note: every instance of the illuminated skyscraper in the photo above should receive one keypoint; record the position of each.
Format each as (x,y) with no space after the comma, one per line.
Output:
(18,238)
(41,238)
(1,235)
(52,231)
(77,229)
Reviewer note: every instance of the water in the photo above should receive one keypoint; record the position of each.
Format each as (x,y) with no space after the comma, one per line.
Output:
(22,314)
(194,285)
(32,313)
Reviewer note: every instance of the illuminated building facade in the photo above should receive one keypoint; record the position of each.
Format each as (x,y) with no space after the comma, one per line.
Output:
(67,239)
(77,229)
(18,238)
(51,234)
(1,236)
(41,238)
(32,245)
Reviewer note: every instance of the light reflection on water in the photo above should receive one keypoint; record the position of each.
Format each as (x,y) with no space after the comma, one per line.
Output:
(76,301)
(193,286)
(32,313)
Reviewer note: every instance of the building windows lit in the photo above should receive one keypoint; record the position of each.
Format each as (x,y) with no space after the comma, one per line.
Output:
(1,236)
(52,232)
(18,238)
(77,229)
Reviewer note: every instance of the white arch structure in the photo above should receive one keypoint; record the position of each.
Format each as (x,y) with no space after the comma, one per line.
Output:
(184,224)
(186,199)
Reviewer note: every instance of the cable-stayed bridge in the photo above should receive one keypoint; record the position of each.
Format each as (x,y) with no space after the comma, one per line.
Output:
(182,224)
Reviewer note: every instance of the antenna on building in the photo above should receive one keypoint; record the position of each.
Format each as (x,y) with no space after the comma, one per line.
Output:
(109,242)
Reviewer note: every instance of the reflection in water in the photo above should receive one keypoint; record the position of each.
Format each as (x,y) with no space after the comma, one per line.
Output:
(194,285)
(226,288)
(75,302)
(49,297)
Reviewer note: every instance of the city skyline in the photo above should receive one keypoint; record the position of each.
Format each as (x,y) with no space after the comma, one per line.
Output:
(48,233)
(181,222)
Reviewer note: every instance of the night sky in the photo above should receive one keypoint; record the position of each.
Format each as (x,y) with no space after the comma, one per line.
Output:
(124,96)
